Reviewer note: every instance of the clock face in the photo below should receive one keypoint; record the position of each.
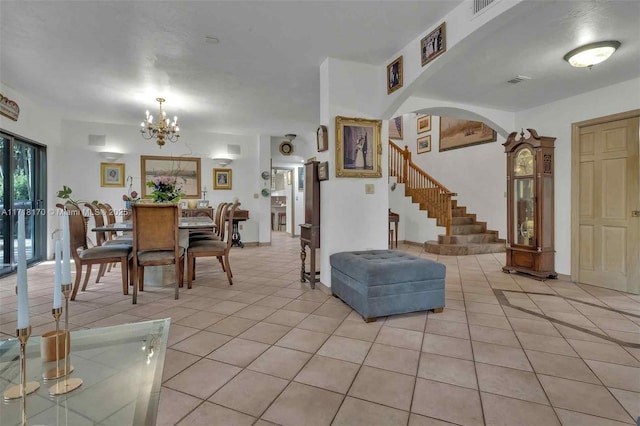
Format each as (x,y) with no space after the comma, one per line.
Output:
(286,148)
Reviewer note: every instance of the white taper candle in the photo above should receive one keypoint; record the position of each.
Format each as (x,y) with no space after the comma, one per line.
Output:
(57,285)
(23,291)
(66,250)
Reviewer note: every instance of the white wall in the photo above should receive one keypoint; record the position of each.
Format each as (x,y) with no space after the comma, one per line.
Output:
(350,219)
(555,120)
(81,165)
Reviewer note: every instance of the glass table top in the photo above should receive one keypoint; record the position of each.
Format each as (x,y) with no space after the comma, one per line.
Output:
(121,369)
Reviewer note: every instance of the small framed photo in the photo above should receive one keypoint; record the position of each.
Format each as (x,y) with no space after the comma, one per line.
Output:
(112,174)
(322,138)
(394,75)
(184,204)
(434,44)
(221,178)
(323,171)
(424,144)
(202,204)
(424,123)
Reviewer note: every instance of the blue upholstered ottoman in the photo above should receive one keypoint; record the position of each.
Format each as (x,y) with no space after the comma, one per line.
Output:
(378,283)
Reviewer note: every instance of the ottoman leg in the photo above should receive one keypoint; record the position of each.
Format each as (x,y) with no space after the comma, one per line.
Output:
(438,310)
(368,320)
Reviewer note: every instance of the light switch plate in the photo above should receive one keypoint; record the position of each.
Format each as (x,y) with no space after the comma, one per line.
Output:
(369,188)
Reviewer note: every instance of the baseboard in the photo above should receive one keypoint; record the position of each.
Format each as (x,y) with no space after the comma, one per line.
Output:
(253,244)
(563,277)
(411,243)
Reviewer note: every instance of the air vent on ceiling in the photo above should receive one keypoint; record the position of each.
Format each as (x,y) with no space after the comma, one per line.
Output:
(519,79)
(478,5)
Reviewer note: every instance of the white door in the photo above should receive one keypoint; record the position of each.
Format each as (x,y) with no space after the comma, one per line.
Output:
(608,205)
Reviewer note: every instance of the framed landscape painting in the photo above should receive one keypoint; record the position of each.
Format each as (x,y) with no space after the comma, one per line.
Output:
(424,123)
(112,174)
(185,170)
(395,128)
(358,148)
(424,144)
(456,133)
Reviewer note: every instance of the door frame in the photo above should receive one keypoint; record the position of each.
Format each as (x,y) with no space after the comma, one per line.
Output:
(575,170)
(292,201)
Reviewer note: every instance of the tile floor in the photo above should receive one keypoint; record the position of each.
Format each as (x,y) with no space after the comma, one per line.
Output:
(507,349)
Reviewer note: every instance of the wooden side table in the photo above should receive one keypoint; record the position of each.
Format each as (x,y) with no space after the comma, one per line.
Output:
(393,218)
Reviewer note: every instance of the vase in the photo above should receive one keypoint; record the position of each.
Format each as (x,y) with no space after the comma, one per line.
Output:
(127,204)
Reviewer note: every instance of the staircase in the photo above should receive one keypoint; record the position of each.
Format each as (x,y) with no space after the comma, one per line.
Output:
(468,236)
(464,235)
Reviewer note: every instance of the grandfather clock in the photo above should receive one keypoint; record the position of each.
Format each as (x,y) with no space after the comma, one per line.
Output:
(530,229)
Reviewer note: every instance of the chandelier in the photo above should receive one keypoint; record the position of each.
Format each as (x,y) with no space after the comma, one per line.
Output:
(164,130)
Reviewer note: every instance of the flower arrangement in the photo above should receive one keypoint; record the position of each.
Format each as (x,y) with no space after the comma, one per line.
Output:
(165,189)
(131,195)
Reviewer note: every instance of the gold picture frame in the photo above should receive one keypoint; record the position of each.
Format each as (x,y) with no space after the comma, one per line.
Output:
(394,75)
(112,175)
(434,44)
(456,133)
(423,144)
(424,123)
(222,178)
(186,170)
(358,147)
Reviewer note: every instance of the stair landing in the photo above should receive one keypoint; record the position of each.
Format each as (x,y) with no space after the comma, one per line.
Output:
(468,236)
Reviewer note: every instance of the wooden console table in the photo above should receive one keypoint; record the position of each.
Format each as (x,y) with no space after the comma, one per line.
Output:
(238,216)
(310,231)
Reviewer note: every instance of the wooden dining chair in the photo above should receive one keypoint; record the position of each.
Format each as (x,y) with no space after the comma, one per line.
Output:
(210,248)
(156,242)
(197,234)
(83,255)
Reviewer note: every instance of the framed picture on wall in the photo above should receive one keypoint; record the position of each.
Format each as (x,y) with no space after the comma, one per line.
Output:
(456,133)
(434,44)
(358,148)
(424,123)
(112,174)
(395,128)
(424,144)
(394,75)
(323,171)
(185,170)
(222,178)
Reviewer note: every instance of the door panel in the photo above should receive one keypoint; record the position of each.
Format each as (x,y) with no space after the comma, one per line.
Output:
(608,233)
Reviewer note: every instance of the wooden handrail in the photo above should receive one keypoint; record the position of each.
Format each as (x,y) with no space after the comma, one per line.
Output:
(422,188)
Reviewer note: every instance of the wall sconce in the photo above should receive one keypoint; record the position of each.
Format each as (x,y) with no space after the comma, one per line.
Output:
(110,156)
(223,162)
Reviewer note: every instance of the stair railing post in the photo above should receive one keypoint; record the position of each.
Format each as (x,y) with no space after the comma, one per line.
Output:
(406,155)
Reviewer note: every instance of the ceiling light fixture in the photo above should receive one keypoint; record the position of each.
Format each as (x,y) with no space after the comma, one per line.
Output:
(591,54)
(165,129)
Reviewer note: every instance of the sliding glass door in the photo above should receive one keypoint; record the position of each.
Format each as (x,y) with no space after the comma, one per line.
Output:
(23,187)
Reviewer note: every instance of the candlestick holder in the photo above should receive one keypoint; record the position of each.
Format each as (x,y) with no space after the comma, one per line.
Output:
(24,388)
(66,385)
(56,372)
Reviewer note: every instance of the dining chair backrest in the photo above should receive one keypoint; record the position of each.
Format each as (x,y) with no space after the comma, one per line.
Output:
(155,226)
(77,228)
(98,218)
(110,216)
(229,213)
(218,217)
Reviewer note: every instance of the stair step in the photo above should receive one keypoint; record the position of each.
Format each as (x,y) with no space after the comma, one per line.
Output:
(462,220)
(468,229)
(463,249)
(487,237)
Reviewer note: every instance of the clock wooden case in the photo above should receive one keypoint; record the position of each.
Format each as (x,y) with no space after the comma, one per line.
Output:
(530,226)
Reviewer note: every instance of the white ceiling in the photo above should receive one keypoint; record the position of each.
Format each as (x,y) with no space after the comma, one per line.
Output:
(107,61)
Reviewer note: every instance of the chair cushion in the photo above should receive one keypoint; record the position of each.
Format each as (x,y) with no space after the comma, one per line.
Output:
(153,256)
(103,252)
(118,242)
(207,245)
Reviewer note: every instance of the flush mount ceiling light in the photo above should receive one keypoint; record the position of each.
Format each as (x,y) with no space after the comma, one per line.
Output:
(591,54)
(164,130)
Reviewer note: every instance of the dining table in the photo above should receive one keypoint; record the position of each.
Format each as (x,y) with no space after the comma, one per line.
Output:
(163,275)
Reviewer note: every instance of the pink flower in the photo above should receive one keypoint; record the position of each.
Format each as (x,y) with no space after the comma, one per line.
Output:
(134,194)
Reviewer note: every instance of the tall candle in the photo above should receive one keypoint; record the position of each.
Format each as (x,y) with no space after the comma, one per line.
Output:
(57,285)
(66,250)
(23,292)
